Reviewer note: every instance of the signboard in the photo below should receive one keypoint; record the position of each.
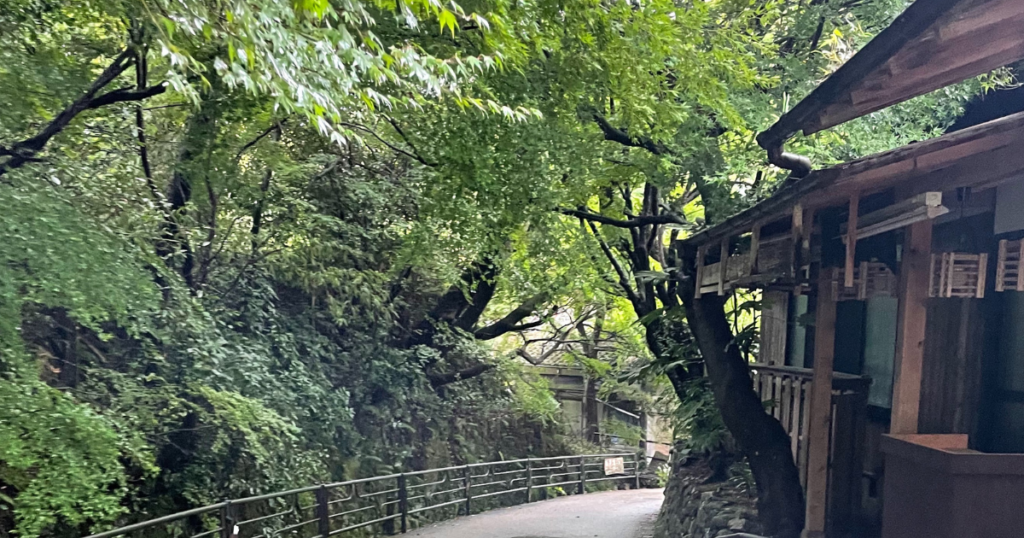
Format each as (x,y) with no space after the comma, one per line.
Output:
(614,466)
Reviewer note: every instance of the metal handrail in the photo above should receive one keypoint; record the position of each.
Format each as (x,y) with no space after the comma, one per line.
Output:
(840,380)
(340,507)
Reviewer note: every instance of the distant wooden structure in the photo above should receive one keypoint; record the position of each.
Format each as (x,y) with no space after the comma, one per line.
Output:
(569,385)
(909,262)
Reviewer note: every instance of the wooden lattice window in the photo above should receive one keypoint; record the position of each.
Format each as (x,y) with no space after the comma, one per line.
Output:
(958,274)
(870,279)
(1008,275)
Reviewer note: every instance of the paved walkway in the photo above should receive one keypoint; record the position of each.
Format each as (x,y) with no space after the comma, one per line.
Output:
(608,514)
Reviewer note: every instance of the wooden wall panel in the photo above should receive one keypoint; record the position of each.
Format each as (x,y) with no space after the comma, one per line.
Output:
(960,336)
(774,317)
(954,346)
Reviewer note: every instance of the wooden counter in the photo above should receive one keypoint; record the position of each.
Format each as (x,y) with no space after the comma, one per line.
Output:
(935,487)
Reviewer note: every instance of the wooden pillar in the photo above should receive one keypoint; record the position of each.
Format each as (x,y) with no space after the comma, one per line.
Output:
(699,277)
(820,412)
(910,327)
(755,244)
(797,231)
(723,266)
(851,242)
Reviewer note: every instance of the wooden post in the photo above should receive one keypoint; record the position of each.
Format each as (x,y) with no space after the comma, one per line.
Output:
(851,241)
(755,245)
(723,266)
(805,427)
(947,269)
(797,229)
(1001,265)
(982,271)
(807,228)
(820,411)
(636,468)
(860,405)
(798,404)
(910,327)
(862,292)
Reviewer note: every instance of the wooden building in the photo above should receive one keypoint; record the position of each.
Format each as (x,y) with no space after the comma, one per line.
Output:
(577,396)
(904,397)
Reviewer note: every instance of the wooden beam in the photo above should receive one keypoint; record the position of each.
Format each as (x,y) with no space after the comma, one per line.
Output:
(820,411)
(910,327)
(851,241)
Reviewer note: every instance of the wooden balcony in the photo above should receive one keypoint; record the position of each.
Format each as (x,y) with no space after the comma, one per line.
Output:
(786,392)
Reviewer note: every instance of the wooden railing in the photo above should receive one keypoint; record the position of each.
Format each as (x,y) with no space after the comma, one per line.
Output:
(786,392)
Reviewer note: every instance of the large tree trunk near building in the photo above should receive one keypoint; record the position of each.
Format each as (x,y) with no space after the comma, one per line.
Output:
(759,436)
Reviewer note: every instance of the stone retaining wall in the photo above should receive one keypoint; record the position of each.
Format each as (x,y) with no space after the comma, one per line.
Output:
(694,509)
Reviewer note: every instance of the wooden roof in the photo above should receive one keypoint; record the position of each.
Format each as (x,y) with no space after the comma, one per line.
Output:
(933,44)
(979,157)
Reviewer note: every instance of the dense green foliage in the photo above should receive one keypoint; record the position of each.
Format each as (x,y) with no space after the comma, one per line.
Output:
(257,244)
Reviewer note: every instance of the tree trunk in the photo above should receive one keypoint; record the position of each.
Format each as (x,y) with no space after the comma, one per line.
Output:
(174,239)
(760,437)
(667,339)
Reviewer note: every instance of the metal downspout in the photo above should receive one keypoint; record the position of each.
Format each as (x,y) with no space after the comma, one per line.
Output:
(798,165)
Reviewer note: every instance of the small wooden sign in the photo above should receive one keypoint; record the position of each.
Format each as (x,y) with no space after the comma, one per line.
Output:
(614,466)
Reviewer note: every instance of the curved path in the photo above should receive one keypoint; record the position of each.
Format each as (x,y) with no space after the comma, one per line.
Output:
(608,514)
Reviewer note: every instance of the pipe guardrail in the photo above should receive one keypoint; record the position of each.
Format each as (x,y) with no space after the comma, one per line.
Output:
(386,501)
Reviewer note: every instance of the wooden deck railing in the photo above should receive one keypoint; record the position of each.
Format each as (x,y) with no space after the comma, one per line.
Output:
(786,391)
